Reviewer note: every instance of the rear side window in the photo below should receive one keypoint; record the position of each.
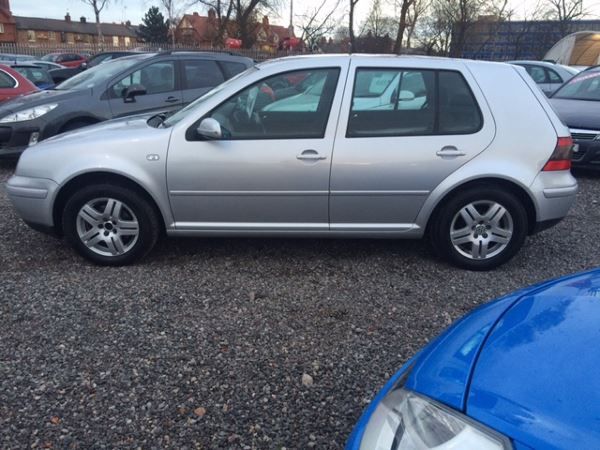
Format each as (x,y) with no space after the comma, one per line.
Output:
(231,69)
(6,81)
(537,73)
(553,77)
(201,74)
(415,102)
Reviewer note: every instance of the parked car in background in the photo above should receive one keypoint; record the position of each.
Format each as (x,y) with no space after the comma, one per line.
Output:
(66,59)
(516,373)
(12,85)
(37,75)
(132,85)
(48,65)
(257,157)
(577,103)
(548,76)
(64,73)
(8,58)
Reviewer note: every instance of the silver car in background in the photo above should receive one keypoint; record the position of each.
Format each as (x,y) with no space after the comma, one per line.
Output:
(316,146)
(548,76)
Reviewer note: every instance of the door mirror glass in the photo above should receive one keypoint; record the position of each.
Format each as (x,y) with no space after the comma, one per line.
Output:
(209,128)
(406,96)
(130,92)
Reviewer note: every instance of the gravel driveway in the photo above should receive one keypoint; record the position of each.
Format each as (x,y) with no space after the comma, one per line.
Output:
(205,343)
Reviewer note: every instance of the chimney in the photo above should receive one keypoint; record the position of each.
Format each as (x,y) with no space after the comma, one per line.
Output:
(265,21)
(209,12)
(82,19)
(68,17)
(128,23)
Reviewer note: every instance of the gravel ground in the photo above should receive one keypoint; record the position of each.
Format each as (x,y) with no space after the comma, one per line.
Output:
(205,343)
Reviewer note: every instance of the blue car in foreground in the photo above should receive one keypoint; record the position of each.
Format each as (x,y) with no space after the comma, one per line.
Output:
(522,372)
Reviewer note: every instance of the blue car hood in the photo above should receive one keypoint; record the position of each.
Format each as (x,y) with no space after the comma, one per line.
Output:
(537,378)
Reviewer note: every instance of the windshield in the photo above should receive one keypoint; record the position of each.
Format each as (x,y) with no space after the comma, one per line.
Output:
(585,86)
(185,111)
(99,74)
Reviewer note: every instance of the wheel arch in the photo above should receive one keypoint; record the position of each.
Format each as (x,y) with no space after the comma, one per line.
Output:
(83,118)
(99,177)
(511,186)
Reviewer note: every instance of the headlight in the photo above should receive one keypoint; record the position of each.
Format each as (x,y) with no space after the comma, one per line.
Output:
(405,420)
(29,114)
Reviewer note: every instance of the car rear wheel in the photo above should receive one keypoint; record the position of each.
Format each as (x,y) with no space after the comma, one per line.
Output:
(110,225)
(480,230)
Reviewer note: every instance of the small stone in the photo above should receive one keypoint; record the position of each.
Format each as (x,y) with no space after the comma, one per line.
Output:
(55,420)
(307,380)
(200,411)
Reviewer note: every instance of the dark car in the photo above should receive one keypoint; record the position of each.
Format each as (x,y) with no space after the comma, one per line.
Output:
(138,84)
(64,73)
(577,103)
(37,75)
(66,59)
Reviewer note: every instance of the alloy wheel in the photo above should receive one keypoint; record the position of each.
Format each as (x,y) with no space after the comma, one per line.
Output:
(481,229)
(107,226)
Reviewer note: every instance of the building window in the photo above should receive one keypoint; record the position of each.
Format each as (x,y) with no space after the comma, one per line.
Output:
(31,35)
(52,35)
(127,41)
(116,41)
(1,28)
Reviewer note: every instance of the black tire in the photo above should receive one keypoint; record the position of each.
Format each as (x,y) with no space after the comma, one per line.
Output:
(442,221)
(75,125)
(148,222)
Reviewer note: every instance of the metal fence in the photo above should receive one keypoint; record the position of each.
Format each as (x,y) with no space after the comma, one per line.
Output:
(40,49)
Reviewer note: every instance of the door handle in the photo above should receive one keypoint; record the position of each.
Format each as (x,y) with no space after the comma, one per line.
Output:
(450,150)
(171,99)
(310,155)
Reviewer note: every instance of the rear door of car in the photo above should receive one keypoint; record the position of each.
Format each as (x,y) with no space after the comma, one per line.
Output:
(199,76)
(163,89)
(388,157)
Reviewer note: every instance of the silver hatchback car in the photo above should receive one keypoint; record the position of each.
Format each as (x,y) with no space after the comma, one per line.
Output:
(316,146)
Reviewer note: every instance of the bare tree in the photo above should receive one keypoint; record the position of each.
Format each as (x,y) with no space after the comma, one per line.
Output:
(98,6)
(565,11)
(172,8)
(402,6)
(318,23)
(223,11)
(377,23)
(418,9)
(351,25)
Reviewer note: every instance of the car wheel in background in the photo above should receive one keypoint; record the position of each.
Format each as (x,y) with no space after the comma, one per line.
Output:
(110,224)
(480,229)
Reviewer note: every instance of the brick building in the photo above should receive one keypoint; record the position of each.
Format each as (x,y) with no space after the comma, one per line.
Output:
(8,28)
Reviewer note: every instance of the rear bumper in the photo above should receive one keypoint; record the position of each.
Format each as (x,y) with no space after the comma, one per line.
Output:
(32,198)
(554,193)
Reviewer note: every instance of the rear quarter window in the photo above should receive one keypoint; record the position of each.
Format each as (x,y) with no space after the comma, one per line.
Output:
(231,69)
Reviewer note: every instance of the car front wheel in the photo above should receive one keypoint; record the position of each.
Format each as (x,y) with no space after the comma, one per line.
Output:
(110,224)
(480,230)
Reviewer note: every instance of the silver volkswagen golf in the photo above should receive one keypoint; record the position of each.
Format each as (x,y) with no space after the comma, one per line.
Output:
(316,146)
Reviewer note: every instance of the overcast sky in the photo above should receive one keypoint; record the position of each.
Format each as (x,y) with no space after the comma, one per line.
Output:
(134,10)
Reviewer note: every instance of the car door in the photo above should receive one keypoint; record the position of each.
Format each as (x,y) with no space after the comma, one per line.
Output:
(198,77)
(163,91)
(270,170)
(389,158)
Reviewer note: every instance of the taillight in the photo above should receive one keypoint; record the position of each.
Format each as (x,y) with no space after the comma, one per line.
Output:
(561,156)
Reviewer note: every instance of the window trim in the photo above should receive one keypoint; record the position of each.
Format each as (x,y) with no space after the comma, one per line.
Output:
(16,81)
(192,136)
(436,122)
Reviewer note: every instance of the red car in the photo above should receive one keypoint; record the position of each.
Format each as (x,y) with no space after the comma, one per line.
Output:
(65,59)
(13,84)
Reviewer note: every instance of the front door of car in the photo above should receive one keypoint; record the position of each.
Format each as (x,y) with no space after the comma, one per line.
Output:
(389,156)
(163,92)
(270,169)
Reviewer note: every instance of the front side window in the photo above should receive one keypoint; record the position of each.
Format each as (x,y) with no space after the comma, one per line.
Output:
(412,102)
(202,74)
(156,78)
(292,105)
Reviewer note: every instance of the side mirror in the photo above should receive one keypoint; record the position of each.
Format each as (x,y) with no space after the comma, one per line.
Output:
(83,66)
(131,92)
(209,128)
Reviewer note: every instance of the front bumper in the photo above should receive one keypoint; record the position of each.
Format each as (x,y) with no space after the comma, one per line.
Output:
(33,200)
(15,137)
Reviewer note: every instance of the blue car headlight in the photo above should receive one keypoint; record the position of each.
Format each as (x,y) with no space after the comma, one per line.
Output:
(405,420)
